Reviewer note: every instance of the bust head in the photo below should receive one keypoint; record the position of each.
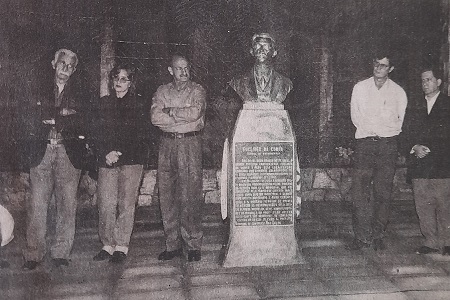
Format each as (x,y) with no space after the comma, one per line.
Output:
(263,47)
(262,83)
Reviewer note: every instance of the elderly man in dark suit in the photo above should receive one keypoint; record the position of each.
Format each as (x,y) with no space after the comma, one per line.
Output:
(54,144)
(429,164)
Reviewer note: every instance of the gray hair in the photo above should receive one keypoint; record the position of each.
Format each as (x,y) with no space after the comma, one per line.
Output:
(66,52)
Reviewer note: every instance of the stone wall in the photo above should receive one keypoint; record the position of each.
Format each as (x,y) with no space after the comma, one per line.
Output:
(331,184)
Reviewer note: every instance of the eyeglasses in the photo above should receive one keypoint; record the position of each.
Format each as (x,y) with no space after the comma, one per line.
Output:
(64,65)
(121,79)
(378,65)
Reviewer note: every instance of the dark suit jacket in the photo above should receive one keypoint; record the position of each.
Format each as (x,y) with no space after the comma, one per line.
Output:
(431,130)
(72,128)
(245,87)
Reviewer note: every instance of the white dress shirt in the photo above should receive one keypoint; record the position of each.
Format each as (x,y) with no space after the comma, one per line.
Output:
(378,112)
(431,101)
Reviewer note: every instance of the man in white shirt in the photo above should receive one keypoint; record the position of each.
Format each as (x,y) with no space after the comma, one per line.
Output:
(428,136)
(378,108)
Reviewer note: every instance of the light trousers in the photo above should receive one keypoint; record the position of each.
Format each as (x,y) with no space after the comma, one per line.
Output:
(55,174)
(180,191)
(117,190)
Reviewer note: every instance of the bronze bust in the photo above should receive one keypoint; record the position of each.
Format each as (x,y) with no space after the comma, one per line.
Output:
(262,83)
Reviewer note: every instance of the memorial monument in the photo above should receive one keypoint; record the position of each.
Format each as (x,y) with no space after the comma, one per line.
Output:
(258,186)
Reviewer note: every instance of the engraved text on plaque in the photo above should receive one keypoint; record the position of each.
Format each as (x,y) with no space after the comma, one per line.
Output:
(264,187)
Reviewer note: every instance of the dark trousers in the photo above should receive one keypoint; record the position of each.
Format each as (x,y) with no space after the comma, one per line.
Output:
(373,174)
(180,191)
(432,199)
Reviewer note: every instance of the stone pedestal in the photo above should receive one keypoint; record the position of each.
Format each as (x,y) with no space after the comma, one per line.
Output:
(261,187)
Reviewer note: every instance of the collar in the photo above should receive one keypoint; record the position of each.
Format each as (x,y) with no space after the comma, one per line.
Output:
(127,95)
(185,86)
(385,84)
(433,99)
(259,76)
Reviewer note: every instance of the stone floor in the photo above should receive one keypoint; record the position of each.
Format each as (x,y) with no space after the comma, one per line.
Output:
(329,271)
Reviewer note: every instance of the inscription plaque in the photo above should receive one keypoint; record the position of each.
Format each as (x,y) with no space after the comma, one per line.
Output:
(263,183)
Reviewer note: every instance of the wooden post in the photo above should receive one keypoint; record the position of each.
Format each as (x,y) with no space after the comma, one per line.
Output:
(326,91)
(107,57)
(446,45)
(325,102)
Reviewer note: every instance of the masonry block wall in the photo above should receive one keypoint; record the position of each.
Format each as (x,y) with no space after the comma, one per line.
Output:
(317,184)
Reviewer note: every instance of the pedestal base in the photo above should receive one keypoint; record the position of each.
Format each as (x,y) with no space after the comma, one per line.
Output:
(261,189)
(262,246)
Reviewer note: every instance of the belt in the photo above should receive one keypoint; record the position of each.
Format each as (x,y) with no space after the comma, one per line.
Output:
(175,135)
(54,141)
(377,138)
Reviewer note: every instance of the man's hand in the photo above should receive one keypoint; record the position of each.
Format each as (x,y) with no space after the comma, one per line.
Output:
(420,151)
(112,157)
(49,122)
(67,112)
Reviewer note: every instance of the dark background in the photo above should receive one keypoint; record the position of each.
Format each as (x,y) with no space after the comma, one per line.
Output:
(216,35)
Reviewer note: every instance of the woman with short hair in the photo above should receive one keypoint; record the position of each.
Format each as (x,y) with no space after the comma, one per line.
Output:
(121,127)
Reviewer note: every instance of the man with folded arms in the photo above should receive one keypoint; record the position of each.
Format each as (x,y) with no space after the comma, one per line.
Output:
(55,145)
(178,109)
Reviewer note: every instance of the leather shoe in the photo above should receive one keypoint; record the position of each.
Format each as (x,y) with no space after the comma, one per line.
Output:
(446,250)
(426,250)
(194,255)
(378,244)
(118,257)
(102,255)
(30,265)
(58,262)
(357,245)
(168,255)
